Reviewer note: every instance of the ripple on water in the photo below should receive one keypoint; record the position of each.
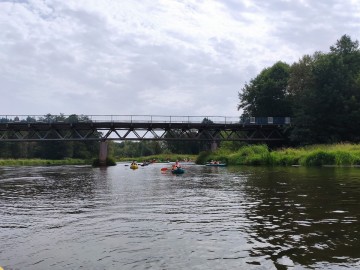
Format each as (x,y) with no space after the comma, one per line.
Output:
(248,218)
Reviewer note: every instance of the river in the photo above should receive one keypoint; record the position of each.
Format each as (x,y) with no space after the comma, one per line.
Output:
(79,217)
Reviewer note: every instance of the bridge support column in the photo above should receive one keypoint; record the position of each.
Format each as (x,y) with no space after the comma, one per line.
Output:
(213,146)
(103,152)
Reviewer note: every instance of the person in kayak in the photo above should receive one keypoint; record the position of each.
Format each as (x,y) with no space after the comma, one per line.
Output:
(176,165)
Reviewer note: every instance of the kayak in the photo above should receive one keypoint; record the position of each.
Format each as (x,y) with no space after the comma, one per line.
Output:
(134,167)
(215,165)
(177,171)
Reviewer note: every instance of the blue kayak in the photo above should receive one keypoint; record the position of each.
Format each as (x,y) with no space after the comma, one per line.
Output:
(215,165)
(178,171)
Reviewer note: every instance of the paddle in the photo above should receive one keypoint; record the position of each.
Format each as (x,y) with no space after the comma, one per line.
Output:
(165,169)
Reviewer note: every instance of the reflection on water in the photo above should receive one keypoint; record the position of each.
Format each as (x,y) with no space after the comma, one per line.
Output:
(307,216)
(78,217)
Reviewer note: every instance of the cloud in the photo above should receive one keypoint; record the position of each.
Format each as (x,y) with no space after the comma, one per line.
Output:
(154,57)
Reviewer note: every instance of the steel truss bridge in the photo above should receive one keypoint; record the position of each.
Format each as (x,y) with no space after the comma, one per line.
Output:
(140,127)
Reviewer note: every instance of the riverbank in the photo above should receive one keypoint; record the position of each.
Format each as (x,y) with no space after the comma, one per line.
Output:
(315,155)
(43,162)
(70,161)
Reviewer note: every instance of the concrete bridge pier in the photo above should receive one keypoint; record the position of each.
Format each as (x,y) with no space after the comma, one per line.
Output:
(214,146)
(103,153)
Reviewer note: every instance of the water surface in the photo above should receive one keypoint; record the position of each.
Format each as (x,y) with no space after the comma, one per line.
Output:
(78,217)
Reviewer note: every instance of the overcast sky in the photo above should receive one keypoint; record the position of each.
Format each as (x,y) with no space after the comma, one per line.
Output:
(159,57)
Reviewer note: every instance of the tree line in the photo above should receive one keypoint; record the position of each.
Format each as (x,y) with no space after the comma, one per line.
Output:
(320,92)
(50,149)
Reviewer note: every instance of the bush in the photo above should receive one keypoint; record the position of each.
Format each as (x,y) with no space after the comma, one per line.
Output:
(284,157)
(255,159)
(203,157)
(109,162)
(314,155)
(344,158)
(319,158)
(251,155)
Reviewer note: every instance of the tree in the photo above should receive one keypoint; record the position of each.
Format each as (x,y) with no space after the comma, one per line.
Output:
(300,86)
(267,95)
(345,46)
(325,90)
(182,146)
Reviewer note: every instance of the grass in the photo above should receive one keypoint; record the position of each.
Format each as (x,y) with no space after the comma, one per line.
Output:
(43,162)
(316,155)
(343,154)
(110,161)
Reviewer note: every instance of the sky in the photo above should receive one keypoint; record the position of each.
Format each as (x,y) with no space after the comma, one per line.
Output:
(154,57)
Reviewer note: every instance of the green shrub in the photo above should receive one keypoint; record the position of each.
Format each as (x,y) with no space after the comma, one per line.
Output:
(252,155)
(344,158)
(255,159)
(284,158)
(319,158)
(109,162)
(356,160)
(314,155)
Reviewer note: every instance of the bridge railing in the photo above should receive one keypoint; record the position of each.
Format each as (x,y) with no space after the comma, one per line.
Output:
(145,119)
(164,119)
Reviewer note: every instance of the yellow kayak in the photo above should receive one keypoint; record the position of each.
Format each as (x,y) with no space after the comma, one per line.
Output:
(134,166)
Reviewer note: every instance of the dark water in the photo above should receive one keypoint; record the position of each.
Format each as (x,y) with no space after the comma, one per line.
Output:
(71,217)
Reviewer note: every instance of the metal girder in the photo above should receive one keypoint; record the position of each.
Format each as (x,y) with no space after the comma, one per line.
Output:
(91,131)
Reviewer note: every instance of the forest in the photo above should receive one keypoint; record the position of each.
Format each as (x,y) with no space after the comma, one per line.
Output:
(320,92)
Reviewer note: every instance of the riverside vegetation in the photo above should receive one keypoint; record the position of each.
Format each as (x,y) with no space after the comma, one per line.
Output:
(315,155)
(43,162)
(345,154)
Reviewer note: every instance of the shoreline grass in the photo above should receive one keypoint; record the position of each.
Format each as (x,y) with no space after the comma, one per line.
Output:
(43,162)
(315,155)
(70,161)
(343,154)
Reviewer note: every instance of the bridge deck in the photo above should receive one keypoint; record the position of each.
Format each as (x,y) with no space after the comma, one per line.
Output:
(131,127)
